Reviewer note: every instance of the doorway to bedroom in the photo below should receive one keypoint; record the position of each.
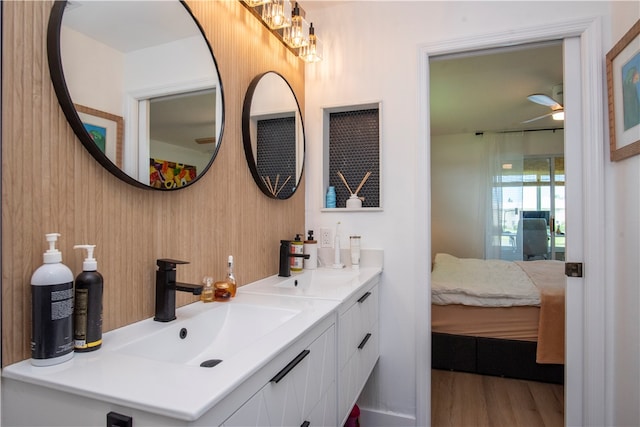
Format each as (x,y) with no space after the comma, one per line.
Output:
(497,193)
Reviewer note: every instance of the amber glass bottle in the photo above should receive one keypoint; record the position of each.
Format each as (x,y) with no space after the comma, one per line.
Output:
(231,279)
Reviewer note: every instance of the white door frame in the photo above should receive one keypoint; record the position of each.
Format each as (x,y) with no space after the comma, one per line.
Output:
(585,355)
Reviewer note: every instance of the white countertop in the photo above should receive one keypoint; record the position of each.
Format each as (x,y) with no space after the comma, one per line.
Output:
(181,390)
(326,283)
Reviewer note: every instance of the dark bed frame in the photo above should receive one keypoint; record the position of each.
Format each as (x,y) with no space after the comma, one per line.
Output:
(492,356)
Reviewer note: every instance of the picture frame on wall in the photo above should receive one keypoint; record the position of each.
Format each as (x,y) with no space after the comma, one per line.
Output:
(623,87)
(105,130)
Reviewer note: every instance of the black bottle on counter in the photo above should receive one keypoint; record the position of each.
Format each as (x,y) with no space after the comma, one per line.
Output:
(87,314)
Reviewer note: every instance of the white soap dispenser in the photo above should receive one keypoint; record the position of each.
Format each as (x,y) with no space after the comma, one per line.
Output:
(87,317)
(310,248)
(51,309)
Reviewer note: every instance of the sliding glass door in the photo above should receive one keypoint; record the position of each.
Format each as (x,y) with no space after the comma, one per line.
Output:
(527,218)
(543,197)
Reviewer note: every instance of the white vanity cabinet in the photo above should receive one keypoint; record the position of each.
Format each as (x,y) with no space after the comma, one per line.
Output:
(301,393)
(358,346)
(306,371)
(296,386)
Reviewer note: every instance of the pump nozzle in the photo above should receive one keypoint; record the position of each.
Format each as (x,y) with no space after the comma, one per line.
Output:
(52,238)
(52,255)
(90,263)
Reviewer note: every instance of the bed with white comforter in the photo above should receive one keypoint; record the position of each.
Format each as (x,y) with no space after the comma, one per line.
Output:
(497,299)
(482,283)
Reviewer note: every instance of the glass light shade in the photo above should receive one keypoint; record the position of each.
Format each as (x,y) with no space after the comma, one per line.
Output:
(312,52)
(277,14)
(254,3)
(296,35)
(558,115)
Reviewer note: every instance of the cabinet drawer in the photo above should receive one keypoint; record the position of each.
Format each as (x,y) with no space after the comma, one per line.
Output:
(353,376)
(324,414)
(295,390)
(291,399)
(356,322)
(252,414)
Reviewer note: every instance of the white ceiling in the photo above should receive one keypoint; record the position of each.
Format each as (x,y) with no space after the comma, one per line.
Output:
(487,91)
(127,26)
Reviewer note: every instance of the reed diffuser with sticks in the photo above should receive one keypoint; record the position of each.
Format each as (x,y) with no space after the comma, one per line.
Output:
(354,201)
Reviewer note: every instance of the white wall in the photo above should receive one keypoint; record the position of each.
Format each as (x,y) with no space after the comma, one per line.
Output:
(93,72)
(169,65)
(623,272)
(371,54)
(458,192)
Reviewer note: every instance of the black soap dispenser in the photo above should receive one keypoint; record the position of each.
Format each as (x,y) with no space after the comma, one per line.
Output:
(87,316)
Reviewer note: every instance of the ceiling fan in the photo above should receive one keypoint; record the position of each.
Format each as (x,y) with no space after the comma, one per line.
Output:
(557,110)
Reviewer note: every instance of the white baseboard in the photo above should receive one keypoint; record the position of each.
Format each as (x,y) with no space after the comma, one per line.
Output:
(375,418)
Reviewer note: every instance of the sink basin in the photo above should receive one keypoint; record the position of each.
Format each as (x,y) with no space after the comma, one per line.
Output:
(315,278)
(324,283)
(155,367)
(205,333)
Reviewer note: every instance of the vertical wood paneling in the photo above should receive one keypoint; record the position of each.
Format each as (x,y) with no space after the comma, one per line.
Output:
(50,183)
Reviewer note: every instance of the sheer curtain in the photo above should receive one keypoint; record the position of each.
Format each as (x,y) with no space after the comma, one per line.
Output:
(505,154)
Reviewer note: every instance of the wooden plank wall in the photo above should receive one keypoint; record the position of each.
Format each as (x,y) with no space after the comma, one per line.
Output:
(50,183)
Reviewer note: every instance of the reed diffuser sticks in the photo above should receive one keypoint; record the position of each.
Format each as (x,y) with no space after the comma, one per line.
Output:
(285,183)
(273,188)
(366,176)
(345,182)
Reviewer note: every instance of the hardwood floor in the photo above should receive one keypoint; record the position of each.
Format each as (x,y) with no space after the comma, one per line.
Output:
(459,399)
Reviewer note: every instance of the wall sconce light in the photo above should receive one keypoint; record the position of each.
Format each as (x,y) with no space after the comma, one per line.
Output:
(289,25)
(254,3)
(297,35)
(312,52)
(277,14)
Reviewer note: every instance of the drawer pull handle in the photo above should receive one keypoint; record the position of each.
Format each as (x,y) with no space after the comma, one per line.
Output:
(364,341)
(280,375)
(364,297)
(305,424)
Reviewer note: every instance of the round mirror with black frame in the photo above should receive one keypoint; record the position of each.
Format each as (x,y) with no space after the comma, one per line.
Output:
(273,135)
(139,85)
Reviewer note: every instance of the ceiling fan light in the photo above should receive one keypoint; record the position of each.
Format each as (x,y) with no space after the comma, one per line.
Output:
(558,115)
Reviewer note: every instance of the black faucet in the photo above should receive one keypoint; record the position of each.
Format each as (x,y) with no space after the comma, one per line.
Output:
(285,254)
(166,287)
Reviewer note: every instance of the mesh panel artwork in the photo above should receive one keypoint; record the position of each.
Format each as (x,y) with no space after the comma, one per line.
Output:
(354,150)
(276,157)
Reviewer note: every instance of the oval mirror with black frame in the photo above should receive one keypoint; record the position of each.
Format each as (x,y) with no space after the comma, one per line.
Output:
(273,135)
(139,85)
